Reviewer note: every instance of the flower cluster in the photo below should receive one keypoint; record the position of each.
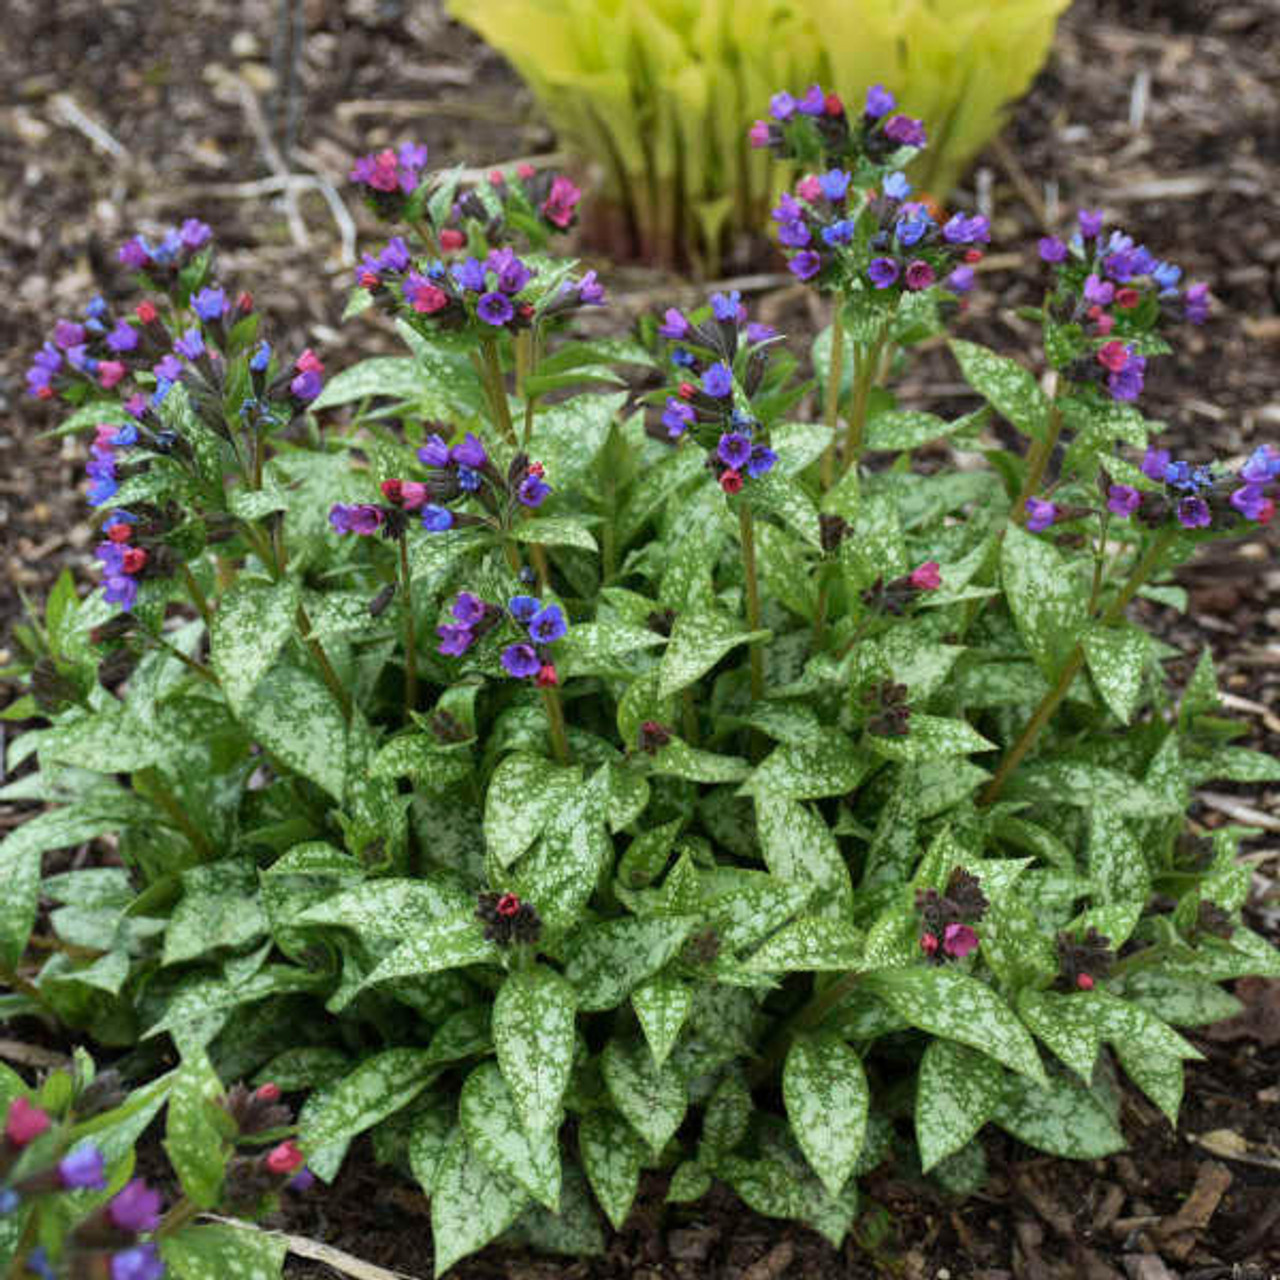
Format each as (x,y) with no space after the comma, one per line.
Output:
(1110,298)
(892,718)
(389,177)
(86,355)
(1082,962)
(948,918)
(507,919)
(540,625)
(709,402)
(897,595)
(163,260)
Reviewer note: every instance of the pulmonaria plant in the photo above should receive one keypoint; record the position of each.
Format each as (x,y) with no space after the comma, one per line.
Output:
(565,758)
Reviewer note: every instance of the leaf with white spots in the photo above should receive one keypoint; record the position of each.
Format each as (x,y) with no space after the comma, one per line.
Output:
(488,1115)
(298,720)
(1118,658)
(447,942)
(556,531)
(525,793)
(1048,597)
(1006,386)
(612,1156)
(196,1131)
(1182,1001)
(1060,1117)
(561,873)
(798,845)
(956,1094)
(825,1091)
(898,430)
(652,1098)
(533,1018)
(1086,785)
(222,1252)
(726,1119)
(391,908)
(946,1002)
(1116,862)
(1159,1075)
(753,906)
(603,648)
(930,737)
(689,1182)
(662,1004)
(471,1204)
(623,794)
(379,1087)
(700,638)
(814,945)
(826,765)
(679,760)
(785,498)
(253,621)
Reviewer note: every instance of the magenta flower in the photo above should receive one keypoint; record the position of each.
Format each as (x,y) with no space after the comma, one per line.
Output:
(926,577)
(1123,500)
(136,1208)
(758,134)
(558,208)
(1040,514)
(920,275)
(959,940)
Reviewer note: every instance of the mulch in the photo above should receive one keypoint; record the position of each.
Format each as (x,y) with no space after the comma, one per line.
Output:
(1165,112)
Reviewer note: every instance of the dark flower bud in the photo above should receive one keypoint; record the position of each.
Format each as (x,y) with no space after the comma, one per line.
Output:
(757,362)
(964,893)
(703,948)
(507,920)
(653,737)
(661,621)
(1081,964)
(49,687)
(517,470)
(106,1091)
(1211,918)
(116,667)
(832,531)
(395,523)
(253,1112)
(447,727)
(378,605)
(116,629)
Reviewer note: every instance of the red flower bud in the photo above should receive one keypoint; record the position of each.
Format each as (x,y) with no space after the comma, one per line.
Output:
(547,677)
(25,1123)
(973,255)
(309,362)
(244,303)
(687,390)
(926,577)
(731,481)
(392,490)
(508,905)
(1084,982)
(833,106)
(928,943)
(451,238)
(525,171)
(45,393)
(496,177)
(119,532)
(146,311)
(1128,298)
(536,469)
(369,280)
(1113,356)
(268,1092)
(285,1158)
(133,559)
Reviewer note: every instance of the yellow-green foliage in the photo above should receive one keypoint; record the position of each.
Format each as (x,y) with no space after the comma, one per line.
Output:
(660,93)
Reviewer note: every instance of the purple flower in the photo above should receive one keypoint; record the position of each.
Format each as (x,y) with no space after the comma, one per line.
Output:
(121,589)
(470,453)
(725,306)
(1098,292)
(360,517)
(1126,384)
(533,490)
(882,272)
(761,461)
(913,225)
(141,1262)
(674,325)
(191,344)
(1040,514)
(1193,513)
(879,102)
(522,608)
(1155,464)
(805,265)
(395,257)
(521,660)
(718,380)
(495,309)
(840,232)
(82,1169)
(547,625)
(1166,276)
(1195,303)
(1090,221)
(734,449)
(787,210)
(68,334)
(905,131)
(1052,250)
(44,365)
(124,337)
(455,639)
(782,106)
(136,1208)
(194,234)
(210,304)
(834,184)
(1251,501)
(678,417)
(1123,500)
(590,291)
(133,253)
(307,385)
(814,101)
(960,281)
(301,1182)
(9,1201)
(169,369)
(468,608)
(896,187)
(920,275)
(470,274)
(795,234)
(512,274)
(1262,466)
(760,332)
(435,453)
(436,519)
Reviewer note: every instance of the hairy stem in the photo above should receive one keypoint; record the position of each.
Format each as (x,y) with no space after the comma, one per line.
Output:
(410,638)
(866,365)
(555,721)
(491,373)
(1037,464)
(747,534)
(831,408)
(329,675)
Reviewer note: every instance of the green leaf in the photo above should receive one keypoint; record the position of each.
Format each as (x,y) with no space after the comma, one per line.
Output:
(220,908)
(606,962)
(253,621)
(599,648)
(679,760)
(798,845)
(1005,385)
(753,905)
(1048,598)
(662,1004)
(533,1020)
(195,1140)
(814,945)
(223,1252)
(689,1182)
(491,1121)
(1060,1117)
(379,1087)
(449,942)
(1088,785)
(471,1204)
(929,738)
(956,1094)
(726,1120)
(391,377)
(1181,1001)
(296,718)
(525,793)
(391,908)
(827,765)
(1067,1024)
(902,430)
(555,531)
(1117,658)
(947,1002)
(825,1091)
(1116,861)
(700,638)
(652,1098)
(611,1156)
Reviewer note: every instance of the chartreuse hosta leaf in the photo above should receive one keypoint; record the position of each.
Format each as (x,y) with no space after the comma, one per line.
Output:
(471,1204)
(652,1098)
(662,1004)
(949,1003)
(533,1017)
(956,1094)
(197,1131)
(1117,658)
(825,1091)
(525,792)
(1048,596)
(612,1156)
(1060,1116)
(492,1124)
(253,621)
(221,1251)
(700,638)
(1010,390)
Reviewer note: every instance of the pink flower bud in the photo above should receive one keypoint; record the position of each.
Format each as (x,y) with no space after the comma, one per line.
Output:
(25,1123)
(926,577)
(929,943)
(809,188)
(1084,982)
(268,1092)
(285,1158)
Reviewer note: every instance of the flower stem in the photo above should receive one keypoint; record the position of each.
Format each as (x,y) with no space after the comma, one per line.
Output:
(198,597)
(746,532)
(1141,571)
(831,407)
(491,372)
(689,711)
(410,639)
(526,360)
(322,661)
(866,365)
(177,1217)
(809,1015)
(1037,463)
(555,720)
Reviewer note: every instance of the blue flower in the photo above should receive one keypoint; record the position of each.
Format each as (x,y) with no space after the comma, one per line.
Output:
(522,608)
(261,357)
(718,381)
(533,490)
(724,306)
(834,184)
(839,232)
(678,417)
(468,479)
(470,274)
(734,449)
(436,519)
(210,304)
(548,625)
(191,344)
(682,358)
(762,460)
(912,228)
(896,186)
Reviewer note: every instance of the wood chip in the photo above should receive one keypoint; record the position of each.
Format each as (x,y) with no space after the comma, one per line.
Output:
(300,1246)
(1212,1181)
(773,1264)
(1238,810)
(31,1055)
(1146,1266)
